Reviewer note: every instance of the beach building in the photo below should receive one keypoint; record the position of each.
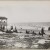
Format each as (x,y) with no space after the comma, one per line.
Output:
(3,22)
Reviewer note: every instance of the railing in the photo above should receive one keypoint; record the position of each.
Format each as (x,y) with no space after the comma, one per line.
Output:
(3,23)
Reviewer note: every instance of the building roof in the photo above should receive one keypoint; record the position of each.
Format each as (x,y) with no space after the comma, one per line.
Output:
(3,18)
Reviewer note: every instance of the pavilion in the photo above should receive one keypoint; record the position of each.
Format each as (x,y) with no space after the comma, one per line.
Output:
(3,22)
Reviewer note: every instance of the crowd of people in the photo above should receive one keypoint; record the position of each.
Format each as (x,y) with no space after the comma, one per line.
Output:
(40,33)
(11,30)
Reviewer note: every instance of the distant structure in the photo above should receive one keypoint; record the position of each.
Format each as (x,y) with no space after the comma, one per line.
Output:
(3,22)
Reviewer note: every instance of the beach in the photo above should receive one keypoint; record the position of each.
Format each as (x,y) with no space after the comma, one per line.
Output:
(23,40)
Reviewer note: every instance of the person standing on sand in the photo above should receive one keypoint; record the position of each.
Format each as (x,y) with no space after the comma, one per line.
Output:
(42,31)
(27,32)
(11,27)
(15,30)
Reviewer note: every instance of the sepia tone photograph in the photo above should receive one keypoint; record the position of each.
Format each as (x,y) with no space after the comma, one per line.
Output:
(25,25)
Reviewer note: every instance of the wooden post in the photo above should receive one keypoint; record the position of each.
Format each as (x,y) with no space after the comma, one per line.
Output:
(6,24)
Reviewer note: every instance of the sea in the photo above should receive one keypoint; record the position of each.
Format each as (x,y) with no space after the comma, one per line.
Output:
(31,25)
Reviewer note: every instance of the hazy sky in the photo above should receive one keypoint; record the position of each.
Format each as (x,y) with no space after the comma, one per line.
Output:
(26,12)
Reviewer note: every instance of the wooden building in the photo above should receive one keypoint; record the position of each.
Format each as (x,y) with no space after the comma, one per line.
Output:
(3,22)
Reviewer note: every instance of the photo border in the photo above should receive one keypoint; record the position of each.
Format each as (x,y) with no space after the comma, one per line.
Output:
(26,1)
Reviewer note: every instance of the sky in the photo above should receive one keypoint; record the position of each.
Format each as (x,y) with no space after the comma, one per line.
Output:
(26,12)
